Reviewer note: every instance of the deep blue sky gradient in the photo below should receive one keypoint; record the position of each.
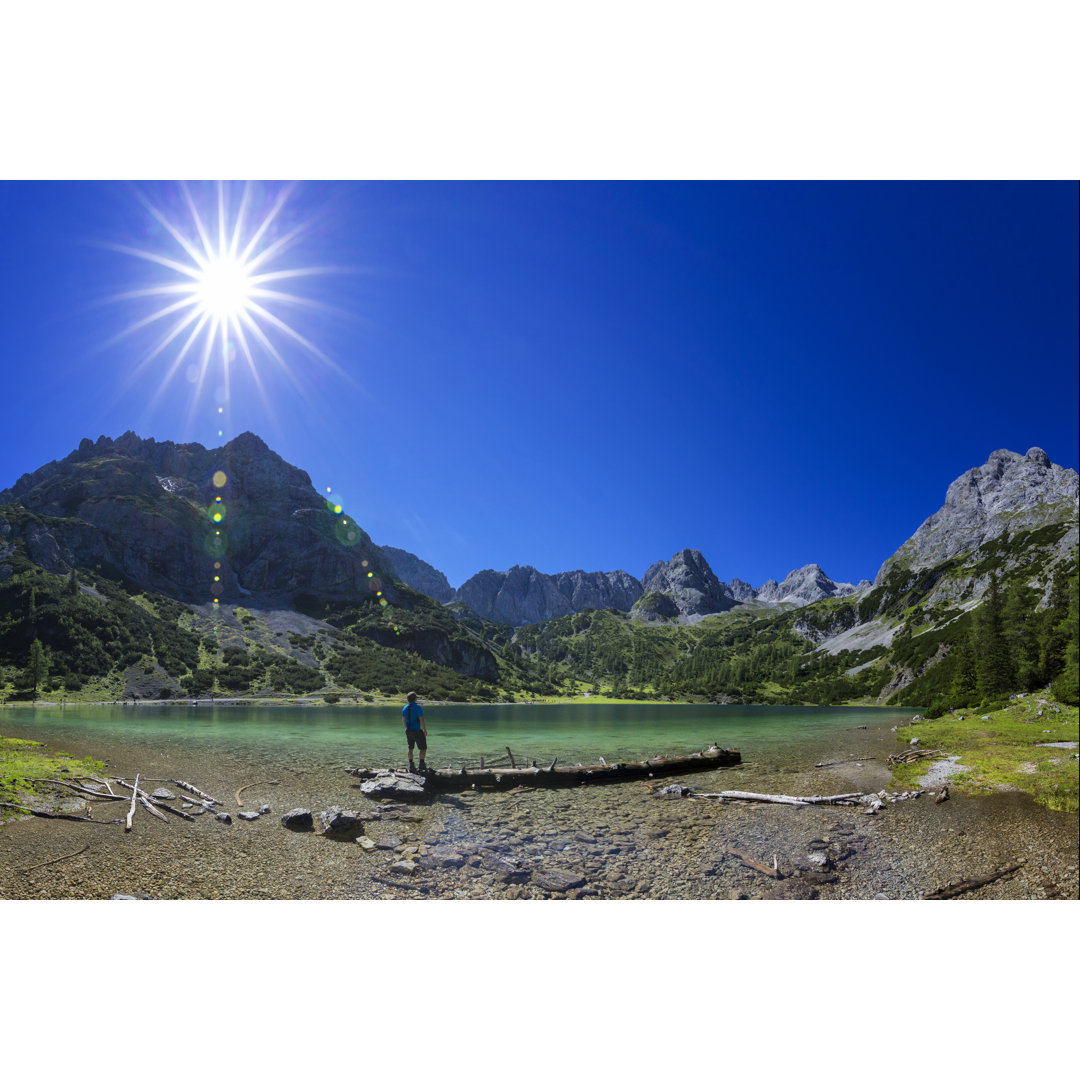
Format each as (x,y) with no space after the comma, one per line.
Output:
(589,375)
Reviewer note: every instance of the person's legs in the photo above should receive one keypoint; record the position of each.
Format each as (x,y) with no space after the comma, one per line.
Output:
(421,740)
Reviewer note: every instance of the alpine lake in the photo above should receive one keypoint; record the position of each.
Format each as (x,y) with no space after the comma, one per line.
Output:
(612,841)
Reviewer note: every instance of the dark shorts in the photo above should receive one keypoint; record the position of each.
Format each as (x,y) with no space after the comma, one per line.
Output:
(416,738)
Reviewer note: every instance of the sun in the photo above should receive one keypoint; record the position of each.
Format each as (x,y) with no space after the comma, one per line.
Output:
(224,288)
(220,290)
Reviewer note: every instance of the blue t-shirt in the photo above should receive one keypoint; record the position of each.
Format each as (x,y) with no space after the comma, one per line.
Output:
(412,713)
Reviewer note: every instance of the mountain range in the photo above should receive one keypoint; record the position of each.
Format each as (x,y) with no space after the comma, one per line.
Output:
(237,529)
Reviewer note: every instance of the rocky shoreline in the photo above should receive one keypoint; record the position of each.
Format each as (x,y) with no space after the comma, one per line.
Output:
(625,841)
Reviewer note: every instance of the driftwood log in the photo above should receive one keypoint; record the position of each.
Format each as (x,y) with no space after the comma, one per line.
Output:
(791,800)
(440,780)
(254,783)
(770,871)
(49,862)
(134,796)
(911,755)
(181,784)
(61,817)
(950,891)
(155,804)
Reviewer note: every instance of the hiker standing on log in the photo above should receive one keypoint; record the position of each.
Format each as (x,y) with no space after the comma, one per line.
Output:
(412,716)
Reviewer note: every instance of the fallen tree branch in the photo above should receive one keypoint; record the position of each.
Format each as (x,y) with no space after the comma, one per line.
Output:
(972,883)
(61,817)
(131,812)
(180,784)
(80,790)
(49,862)
(911,755)
(790,800)
(254,783)
(770,871)
(151,807)
(160,805)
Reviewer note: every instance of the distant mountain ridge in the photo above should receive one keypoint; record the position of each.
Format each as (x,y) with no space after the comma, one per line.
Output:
(683,588)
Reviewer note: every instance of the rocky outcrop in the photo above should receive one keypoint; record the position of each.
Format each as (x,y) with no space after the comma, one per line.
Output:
(1011,492)
(418,575)
(598,589)
(523,594)
(688,581)
(194,523)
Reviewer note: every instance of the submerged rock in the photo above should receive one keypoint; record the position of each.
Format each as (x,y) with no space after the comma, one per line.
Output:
(557,880)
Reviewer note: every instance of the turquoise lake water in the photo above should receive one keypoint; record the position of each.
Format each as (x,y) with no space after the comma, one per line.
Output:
(317,737)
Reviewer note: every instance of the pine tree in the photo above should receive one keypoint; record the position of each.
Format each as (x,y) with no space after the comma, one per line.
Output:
(965,675)
(37,669)
(1019,623)
(1055,632)
(997,675)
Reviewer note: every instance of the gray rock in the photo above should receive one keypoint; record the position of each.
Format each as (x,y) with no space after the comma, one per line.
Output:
(249,815)
(224,818)
(337,821)
(389,784)
(130,896)
(404,866)
(162,793)
(673,791)
(299,820)
(264,809)
(555,880)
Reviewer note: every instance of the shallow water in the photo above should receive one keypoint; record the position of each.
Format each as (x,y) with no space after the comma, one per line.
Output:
(328,737)
(620,840)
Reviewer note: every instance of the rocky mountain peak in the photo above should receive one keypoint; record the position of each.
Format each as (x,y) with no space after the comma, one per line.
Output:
(1014,492)
(687,581)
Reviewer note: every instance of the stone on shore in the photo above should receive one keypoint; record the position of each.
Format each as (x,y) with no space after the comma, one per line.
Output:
(389,784)
(162,793)
(249,815)
(339,822)
(224,818)
(299,820)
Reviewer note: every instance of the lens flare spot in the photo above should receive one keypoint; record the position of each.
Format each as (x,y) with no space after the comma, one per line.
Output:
(220,479)
(215,546)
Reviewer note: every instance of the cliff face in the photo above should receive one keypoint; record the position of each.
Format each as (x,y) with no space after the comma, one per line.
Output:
(523,594)
(418,575)
(194,523)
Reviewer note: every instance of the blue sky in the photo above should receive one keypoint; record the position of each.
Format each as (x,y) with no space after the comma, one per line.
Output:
(581,374)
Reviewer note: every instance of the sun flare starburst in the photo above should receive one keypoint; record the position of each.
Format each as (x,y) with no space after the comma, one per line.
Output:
(222,286)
